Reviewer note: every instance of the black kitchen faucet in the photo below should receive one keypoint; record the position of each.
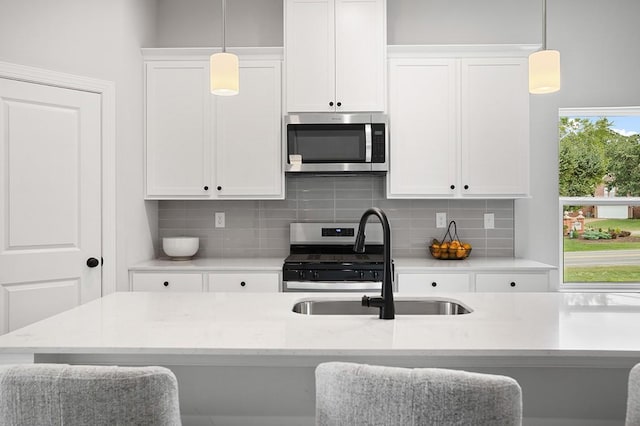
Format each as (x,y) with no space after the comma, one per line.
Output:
(385,302)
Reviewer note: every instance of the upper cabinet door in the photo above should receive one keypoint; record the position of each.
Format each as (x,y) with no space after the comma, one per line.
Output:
(423,107)
(495,127)
(361,41)
(178,114)
(310,55)
(248,154)
(335,55)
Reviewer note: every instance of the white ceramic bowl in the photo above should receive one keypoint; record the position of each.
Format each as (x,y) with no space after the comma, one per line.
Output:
(180,248)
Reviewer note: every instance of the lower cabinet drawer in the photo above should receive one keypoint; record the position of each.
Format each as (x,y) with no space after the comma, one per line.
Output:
(253,283)
(512,282)
(430,283)
(141,281)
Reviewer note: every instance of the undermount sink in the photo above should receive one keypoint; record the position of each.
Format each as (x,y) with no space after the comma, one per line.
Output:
(402,306)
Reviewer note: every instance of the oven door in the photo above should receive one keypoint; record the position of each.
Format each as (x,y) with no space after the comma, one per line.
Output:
(331,286)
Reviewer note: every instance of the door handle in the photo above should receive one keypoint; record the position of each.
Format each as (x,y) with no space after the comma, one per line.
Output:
(92,262)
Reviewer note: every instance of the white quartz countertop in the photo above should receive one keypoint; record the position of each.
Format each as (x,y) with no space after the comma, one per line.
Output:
(203,264)
(402,264)
(537,325)
(419,264)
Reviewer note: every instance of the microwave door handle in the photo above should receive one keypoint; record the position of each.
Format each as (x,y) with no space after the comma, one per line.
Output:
(367,142)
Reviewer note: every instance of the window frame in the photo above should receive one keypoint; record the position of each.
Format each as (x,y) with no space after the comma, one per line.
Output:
(593,286)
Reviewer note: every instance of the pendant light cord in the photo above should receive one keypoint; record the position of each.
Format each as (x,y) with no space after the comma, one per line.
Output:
(544,24)
(224,26)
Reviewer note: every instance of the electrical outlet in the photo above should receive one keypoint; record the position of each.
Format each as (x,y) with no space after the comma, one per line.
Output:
(441,220)
(489,221)
(219,219)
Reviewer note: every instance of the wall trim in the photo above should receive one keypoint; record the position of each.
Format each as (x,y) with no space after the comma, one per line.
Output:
(203,53)
(461,50)
(107,91)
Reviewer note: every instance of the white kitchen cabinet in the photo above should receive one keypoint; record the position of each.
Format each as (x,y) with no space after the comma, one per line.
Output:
(335,55)
(263,282)
(201,146)
(423,106)
(459,127)
(432,282)
(506,282)
(248,154)
(166,281)
(494,127)
(178,127)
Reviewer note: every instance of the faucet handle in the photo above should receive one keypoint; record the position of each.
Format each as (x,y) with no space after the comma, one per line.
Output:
(365,301)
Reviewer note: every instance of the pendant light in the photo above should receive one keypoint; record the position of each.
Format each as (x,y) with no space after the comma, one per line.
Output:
(224,69)
(544,65)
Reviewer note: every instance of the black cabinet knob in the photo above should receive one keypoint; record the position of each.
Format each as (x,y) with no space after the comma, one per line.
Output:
(331,103)
(466,187)
(219,188)
(92,262)
(242,284)
(339,104)
(434,284)
(453,187)
(166,283)
(206,188)
(512,284)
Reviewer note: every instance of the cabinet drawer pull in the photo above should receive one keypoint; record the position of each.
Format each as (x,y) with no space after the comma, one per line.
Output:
(331,103)
(206,188)
(453,187)
(434,284)
(166,283)
(466,187)
(339,104)
(512,284)
(242,284)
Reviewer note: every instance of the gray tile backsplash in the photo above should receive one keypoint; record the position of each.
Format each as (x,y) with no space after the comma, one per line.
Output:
(261,228)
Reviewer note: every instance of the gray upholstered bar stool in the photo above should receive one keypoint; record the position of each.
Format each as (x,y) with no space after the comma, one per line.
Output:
(59,394)
(633,397)
(358,394)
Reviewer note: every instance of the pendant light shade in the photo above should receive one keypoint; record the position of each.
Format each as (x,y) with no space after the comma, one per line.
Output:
(544,72)
(225,78)
(544,65)
(224,67)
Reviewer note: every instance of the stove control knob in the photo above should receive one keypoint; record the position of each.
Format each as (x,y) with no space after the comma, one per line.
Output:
(316,275)
(375,275)
(301,274)
(361,274)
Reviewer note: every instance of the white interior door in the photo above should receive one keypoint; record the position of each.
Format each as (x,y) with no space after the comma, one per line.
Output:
(50,192)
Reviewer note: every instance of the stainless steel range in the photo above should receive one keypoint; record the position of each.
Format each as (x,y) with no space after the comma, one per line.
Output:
(322,259)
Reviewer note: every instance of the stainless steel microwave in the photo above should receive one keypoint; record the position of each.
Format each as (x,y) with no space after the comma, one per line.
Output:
(332,143)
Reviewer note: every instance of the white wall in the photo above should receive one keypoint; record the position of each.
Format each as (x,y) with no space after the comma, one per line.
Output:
(197,23)
(98,39)
(598,42)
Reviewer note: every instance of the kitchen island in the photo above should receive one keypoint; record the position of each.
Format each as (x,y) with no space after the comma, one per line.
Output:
(248,359)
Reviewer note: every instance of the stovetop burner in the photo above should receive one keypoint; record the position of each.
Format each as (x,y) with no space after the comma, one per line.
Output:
(353,258)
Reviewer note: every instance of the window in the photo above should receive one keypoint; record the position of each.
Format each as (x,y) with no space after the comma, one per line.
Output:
(599,187)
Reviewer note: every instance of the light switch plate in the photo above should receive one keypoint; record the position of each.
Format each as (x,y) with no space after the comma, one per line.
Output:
(219,219)
(441,220)
(489,221)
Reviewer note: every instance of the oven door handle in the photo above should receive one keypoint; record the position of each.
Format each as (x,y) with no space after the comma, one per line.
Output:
(333,285)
